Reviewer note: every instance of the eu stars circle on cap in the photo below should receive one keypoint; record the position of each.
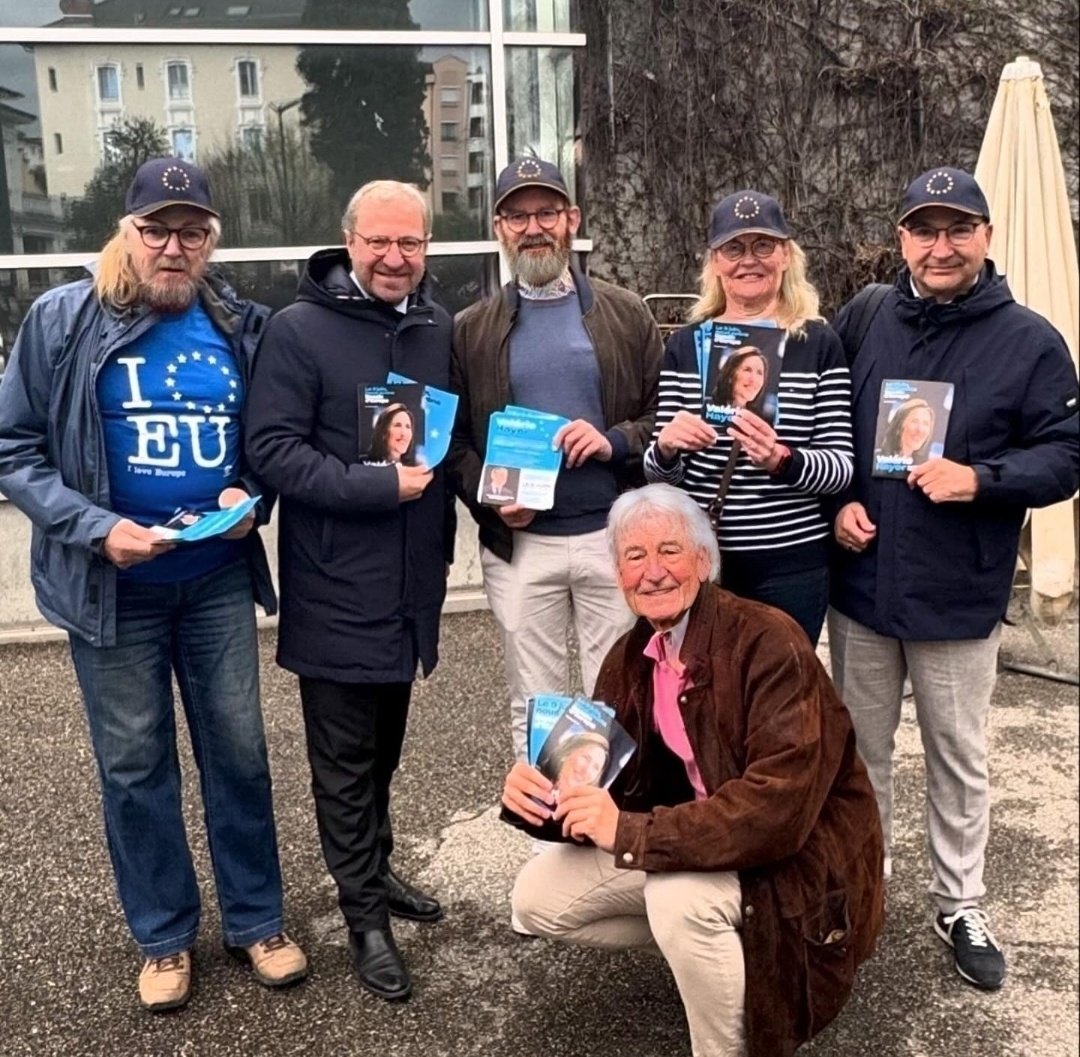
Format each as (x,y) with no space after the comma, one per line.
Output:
(947,188)
(746,213)
(163,182)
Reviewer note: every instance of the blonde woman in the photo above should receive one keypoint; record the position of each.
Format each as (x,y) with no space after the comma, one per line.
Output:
(771,527)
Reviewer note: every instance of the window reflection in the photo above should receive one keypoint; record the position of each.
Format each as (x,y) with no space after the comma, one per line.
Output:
(543,16)
(256,14)
(304,125)
(455,283)
(540,111)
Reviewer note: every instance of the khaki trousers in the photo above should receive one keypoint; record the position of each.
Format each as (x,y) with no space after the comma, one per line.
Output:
(550,580)
(577,895)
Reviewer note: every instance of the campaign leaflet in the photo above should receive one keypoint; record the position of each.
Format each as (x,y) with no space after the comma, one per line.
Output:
(439,409)
(543,711)
(522,463)
(743,370)
(391,423)
(189,526)
(912,421)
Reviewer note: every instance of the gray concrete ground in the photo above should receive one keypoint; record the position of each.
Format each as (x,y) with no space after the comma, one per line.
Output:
(68,968)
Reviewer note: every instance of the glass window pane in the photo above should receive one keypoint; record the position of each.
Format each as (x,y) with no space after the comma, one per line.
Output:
(331,118)
(455,283)
(249,78)
(542,16)
(540,111)
(263,14)
(108,84)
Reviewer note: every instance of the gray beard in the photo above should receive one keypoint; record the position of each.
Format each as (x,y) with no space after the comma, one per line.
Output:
(171,297)
(539,270)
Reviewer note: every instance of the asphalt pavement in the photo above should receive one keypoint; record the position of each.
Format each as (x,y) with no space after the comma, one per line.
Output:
(68,967)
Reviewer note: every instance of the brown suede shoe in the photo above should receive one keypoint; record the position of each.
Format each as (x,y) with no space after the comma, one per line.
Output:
(165,983)
(276,961)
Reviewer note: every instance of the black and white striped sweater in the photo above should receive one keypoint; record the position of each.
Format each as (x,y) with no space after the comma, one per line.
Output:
(772,515)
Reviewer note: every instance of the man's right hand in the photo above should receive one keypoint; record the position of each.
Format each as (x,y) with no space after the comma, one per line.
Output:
(521,785)
(129,544)
(685,432)
(853,528)
(411,481)
(515,515)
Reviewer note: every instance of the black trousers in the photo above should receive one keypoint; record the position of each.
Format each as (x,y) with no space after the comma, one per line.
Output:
(354,737)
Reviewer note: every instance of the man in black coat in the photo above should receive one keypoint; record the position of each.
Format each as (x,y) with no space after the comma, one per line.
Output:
(922,579)
(363,546)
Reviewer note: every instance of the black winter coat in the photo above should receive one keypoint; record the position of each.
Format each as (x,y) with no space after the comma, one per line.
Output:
(943,571)
(362,576)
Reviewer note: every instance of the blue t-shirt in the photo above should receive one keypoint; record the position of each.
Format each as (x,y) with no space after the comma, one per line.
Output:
(170,410)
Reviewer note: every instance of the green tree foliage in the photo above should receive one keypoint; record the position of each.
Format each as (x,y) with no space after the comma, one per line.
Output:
(92,218)
(364,109)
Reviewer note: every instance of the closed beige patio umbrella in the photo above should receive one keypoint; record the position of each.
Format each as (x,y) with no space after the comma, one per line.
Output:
(1021,174)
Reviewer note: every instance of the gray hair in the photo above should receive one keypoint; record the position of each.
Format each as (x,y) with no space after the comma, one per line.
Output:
(663,499)
(386,191)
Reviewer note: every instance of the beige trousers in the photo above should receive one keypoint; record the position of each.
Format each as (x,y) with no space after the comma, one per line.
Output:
(577,895)
(551,580)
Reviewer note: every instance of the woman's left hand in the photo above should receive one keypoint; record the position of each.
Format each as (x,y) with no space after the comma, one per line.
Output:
(757,437)
(586,811)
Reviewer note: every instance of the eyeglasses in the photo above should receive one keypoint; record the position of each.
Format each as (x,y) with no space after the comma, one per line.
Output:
(735,250)
(519,222)
(926,235)
(408,246)
(156,236)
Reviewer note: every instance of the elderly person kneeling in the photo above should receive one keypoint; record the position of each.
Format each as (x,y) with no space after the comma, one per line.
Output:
(742,839)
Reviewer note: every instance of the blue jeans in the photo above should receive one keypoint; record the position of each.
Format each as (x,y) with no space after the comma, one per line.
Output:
(203,630)
(804,595)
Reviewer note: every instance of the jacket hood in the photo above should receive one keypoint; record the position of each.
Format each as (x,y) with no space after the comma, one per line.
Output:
(991,292)
(327,281)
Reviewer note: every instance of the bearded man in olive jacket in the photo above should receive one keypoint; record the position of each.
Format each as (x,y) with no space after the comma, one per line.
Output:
(742,840)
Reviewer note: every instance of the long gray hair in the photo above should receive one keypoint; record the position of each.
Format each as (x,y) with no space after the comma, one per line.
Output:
(663,499)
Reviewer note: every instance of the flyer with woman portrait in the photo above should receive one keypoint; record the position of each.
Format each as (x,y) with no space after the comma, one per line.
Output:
(741,370)
(912,421)
(391,423)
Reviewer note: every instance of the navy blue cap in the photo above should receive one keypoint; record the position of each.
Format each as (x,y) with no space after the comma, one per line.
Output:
(529,172)
(951,188)
(168,182)
(746,213)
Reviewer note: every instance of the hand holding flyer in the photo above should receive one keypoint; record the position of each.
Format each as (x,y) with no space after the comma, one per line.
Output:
(522,462)
(188,526)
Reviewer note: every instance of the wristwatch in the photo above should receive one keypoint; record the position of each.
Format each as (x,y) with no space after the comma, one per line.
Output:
(786,455)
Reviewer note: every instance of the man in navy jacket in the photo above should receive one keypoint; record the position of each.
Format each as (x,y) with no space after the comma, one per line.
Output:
(363,545)
(926,560)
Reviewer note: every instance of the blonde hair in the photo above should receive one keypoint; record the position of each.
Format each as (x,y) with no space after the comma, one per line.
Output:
(117,282)
(797,303)
(386,191)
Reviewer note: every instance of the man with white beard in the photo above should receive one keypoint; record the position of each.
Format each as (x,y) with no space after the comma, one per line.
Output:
(555,341)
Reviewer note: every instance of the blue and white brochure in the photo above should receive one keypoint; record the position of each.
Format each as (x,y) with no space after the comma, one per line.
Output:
(439,408)
(742,371)
(521,464)
(913,419)
(189,526)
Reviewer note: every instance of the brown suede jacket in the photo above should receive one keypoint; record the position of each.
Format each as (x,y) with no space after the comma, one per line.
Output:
(628,352)
(790,806)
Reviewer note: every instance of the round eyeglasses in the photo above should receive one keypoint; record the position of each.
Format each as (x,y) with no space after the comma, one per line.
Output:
(409,246)
(735,250)
(518,222)
(156,236)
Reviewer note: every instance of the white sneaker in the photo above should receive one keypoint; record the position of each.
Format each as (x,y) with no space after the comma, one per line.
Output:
(518,927)
(886,871)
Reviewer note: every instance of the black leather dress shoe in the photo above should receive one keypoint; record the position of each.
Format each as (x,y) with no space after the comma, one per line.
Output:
(379,965)
(405,901)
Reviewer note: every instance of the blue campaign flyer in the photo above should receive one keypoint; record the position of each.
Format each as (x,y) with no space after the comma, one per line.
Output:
(743,371)
(522,463)
(439,409)
(187,526)
(544,711)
